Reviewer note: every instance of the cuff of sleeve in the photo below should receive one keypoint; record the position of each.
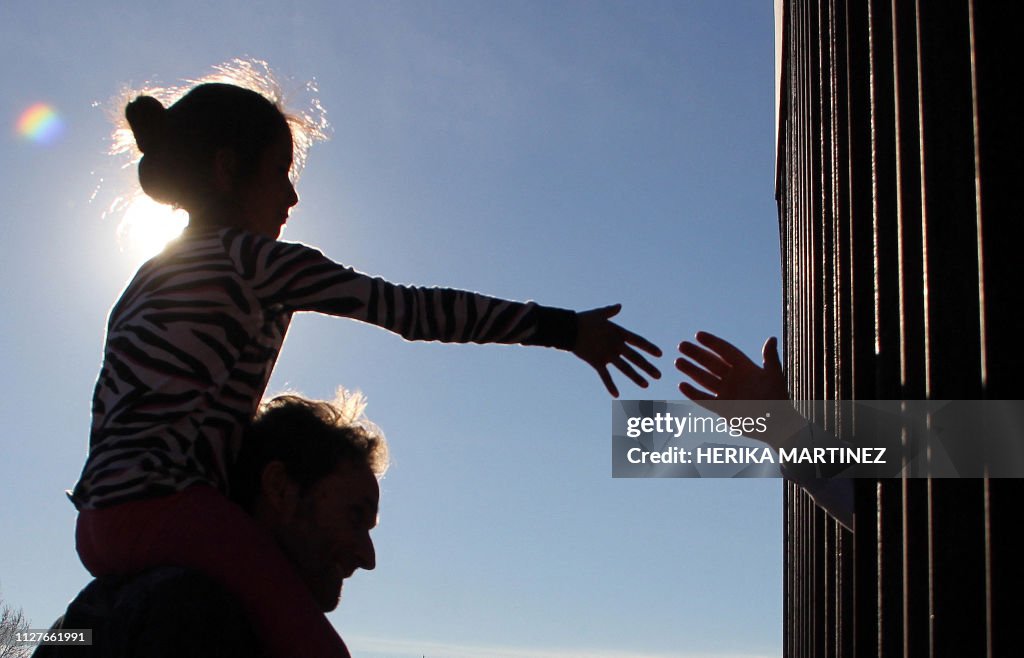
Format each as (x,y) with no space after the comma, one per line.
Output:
(556,327)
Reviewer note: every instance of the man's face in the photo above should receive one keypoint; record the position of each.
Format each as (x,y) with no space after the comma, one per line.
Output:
(328,537)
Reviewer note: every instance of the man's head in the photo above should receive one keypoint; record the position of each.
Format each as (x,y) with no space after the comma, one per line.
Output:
(308,472)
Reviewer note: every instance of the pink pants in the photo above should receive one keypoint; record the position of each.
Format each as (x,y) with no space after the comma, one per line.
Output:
(201,529)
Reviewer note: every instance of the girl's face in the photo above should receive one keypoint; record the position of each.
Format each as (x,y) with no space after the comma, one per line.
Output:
(265,198)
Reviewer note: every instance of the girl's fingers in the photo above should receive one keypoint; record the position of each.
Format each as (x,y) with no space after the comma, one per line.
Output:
(639,341)
(638,360)
(608,311)
(628,371)
(606,379)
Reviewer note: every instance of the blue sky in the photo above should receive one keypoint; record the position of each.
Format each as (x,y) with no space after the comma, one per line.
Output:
(577,154)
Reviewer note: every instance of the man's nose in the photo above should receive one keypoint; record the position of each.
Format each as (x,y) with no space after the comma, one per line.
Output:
(366,554)
(294,198)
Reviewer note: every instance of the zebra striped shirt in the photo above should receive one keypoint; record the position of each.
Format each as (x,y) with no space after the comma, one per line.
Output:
(194,337)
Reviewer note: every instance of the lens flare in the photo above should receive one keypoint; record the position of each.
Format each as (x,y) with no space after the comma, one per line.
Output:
(40,124)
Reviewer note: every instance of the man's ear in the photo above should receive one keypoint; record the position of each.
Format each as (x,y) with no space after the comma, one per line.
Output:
(225,170)
(279,493)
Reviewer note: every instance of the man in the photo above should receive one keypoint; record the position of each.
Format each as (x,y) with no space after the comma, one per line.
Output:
(308,475)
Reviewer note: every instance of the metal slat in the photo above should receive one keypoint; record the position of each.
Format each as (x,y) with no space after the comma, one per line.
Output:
(897,226)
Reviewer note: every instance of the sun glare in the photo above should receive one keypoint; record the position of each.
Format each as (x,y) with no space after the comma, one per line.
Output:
(147,226)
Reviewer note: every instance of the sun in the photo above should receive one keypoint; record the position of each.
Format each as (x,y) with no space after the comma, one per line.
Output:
(147,226)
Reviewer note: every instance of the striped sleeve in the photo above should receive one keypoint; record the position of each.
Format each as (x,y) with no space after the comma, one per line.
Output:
(298,278)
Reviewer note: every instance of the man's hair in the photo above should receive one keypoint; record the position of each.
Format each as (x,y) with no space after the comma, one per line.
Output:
(311,438)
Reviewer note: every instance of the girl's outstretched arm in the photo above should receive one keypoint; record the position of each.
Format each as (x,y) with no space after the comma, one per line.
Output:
(601,342)
(294,277)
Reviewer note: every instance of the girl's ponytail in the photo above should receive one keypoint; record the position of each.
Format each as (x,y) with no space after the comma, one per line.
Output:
(148,119)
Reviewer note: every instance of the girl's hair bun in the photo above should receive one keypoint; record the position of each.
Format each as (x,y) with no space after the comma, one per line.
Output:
(148,120)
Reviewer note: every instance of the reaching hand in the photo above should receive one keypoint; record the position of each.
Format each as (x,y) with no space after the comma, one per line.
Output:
(733,380)
(721,368)
(600,342)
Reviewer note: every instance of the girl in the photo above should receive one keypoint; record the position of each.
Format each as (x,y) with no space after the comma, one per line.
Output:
(194,337)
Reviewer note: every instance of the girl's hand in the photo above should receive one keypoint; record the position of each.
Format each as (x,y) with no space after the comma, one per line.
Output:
(600,342)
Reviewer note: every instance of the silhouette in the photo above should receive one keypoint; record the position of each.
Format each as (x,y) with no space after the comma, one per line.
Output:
(728,374)
(308,478)
(194,338)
